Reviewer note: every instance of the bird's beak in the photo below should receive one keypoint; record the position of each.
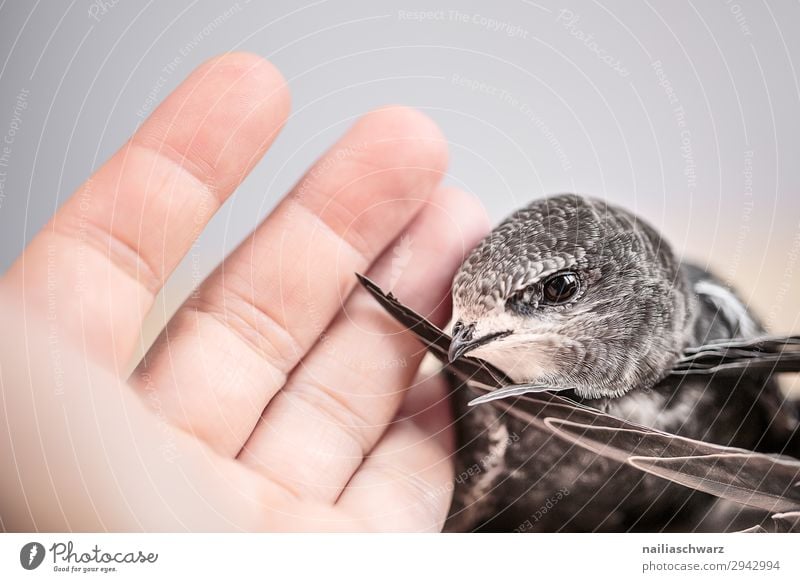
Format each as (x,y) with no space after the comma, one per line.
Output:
(464,340)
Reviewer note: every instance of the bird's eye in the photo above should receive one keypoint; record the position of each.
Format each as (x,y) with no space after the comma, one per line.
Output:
(560,288)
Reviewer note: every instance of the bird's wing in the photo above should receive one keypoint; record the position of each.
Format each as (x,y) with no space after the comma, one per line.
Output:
(767,482)
(787,522)
(772,354)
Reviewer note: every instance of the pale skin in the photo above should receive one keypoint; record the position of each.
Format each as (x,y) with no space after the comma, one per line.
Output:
(279,396)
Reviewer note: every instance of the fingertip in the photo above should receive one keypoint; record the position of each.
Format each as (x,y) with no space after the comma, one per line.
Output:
(222,118)
(250,77)
(407,137)
(456,222)
(256,78)
(245,65)
(467,212)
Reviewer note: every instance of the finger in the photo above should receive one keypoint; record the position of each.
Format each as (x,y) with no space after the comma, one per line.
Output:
(427,404)
(334,408)
(99,262)
(230,348)
(406,484)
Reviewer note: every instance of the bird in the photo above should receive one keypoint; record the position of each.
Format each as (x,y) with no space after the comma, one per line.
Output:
(585,358)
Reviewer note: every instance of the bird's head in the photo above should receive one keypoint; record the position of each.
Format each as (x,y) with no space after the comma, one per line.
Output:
(573,293)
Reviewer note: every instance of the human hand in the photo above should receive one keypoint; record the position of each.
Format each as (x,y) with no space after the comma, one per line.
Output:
(276,397)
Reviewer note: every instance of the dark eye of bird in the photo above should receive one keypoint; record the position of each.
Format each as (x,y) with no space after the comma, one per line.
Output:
(560,288)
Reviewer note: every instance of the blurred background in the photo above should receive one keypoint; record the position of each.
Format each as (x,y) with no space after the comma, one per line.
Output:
(686,112)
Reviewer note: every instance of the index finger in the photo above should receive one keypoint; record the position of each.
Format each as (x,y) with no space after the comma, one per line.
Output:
(96,266)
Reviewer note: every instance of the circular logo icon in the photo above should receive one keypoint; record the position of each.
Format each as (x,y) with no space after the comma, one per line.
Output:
(31,555)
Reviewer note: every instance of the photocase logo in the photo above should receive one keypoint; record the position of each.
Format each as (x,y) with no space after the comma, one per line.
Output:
(31,555)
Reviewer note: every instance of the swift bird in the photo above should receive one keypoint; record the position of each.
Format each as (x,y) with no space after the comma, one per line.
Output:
(606,386)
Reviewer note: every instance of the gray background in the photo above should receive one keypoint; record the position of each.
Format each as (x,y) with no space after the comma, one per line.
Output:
(531,106)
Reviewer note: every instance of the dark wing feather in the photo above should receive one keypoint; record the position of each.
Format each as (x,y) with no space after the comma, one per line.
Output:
(787,522)
(436,340)
(622,442)
(773,354)
(768,482)
(543,408)
(763,481)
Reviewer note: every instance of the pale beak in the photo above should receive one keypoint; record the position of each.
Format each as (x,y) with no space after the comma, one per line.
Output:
(464,340)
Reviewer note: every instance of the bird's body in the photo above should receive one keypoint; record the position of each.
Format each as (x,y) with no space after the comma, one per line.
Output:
(585,297)
(514,476)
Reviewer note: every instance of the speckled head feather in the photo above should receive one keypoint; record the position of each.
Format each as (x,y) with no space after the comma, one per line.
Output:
(628,315)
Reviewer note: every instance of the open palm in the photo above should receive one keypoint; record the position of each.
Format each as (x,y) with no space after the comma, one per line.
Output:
(277,396)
